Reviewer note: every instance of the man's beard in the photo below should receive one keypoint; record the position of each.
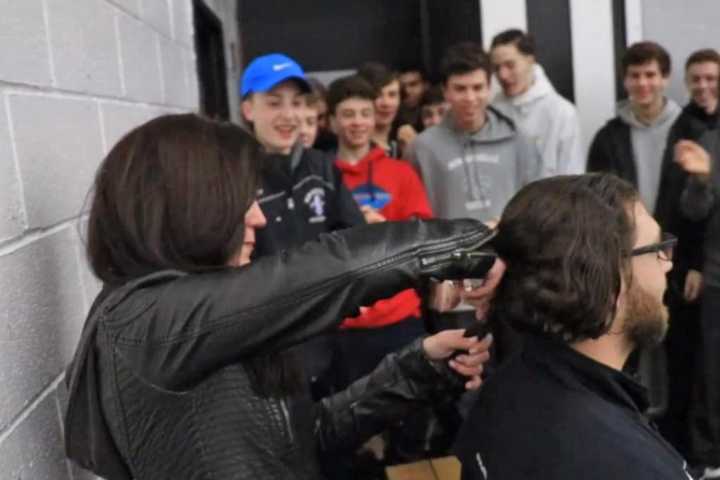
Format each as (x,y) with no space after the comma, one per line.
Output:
(646,318)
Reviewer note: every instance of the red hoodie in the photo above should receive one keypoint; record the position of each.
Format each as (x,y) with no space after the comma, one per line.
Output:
(393,188)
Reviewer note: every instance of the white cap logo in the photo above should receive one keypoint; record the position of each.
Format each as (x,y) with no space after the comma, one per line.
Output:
(281,66)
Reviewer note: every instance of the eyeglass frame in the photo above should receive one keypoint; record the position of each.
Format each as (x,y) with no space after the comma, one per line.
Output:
(668,242)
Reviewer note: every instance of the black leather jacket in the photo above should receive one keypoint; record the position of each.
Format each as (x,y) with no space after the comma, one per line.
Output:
(158,389)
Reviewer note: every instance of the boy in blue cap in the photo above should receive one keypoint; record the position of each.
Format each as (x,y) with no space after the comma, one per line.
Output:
(301,190)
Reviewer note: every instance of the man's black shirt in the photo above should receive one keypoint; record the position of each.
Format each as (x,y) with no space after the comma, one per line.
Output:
(552,413)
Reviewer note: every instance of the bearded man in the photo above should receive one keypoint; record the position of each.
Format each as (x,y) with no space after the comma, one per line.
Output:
(585,279)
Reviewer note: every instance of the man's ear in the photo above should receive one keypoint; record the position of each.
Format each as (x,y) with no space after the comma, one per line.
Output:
(247,109)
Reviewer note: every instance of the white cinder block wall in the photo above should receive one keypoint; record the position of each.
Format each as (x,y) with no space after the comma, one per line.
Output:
(75,75)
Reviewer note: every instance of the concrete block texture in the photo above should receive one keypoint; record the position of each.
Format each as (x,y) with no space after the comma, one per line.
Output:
(34,450)
(84,46)
(90,283)
(157,14)
(193,86)
(140,63)
(182,14)
(24,55)
(59,147)
(119,118)
(40,320)
(130,6)
(12,218)
(174,78)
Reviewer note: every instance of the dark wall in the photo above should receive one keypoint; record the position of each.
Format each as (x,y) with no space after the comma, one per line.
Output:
(549,23)
(451,22)
(338,35)
(332,34)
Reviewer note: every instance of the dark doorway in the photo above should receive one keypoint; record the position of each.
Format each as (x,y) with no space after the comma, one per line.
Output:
(330,35)
(549,23)
(210,63)
(620,44)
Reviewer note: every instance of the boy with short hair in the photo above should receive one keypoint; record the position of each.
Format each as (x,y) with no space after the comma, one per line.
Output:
(385,188)
(529,98)
(631,145)
(433,107)
(476,159)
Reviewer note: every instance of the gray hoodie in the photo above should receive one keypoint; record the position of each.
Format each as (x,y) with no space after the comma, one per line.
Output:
(551,121)
(474,175)
(648,144)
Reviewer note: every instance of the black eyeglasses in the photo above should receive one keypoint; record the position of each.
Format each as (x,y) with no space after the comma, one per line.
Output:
(663,249)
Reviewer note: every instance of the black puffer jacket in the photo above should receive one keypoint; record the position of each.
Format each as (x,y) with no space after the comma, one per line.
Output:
(158,389)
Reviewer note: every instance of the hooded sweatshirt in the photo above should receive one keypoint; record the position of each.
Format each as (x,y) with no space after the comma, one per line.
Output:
(550,121)
(648,145)
(473,175)
(632,150)
(392,188)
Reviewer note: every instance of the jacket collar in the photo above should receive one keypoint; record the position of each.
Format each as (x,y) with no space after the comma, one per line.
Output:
(577,370)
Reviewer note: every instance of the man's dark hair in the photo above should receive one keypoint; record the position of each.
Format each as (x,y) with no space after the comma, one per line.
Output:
(413,67)
(171,194)
(524,42)
(432,96)
(377,74)
(702,56)
(641,53)
(352,86)
(567,242)
(464,58)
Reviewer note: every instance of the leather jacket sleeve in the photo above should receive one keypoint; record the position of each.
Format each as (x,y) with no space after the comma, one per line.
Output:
(402,382)
(175,334)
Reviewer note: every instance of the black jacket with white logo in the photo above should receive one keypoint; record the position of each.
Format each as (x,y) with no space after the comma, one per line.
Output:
(552,413)
(302,195)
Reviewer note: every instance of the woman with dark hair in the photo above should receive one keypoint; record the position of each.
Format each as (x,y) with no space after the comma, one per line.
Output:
(180,372)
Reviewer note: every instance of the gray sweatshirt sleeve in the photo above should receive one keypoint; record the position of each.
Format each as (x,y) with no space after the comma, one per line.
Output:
(698,199)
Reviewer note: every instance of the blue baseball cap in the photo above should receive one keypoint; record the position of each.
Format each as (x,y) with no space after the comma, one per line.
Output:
(266,71)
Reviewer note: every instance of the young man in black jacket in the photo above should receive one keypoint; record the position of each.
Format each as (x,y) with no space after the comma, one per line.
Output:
(698,119)
(585,279)
(301,190)
(631,144)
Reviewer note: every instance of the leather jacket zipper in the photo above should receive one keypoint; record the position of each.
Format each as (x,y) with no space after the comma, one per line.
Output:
(430,260)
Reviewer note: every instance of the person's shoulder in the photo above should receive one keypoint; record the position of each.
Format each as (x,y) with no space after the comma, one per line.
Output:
(432,136)
(610,129)
(562,106)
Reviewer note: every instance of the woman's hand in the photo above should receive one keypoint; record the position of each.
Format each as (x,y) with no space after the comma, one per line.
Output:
(470,364)
(693,158)
(481,296)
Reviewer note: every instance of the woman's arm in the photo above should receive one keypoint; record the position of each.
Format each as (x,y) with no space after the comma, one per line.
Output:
(417,376)
(173,335)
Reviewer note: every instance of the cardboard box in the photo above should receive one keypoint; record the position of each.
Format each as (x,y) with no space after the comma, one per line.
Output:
(446,468)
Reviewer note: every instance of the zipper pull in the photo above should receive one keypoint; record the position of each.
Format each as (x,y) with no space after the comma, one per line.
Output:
(290,204)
